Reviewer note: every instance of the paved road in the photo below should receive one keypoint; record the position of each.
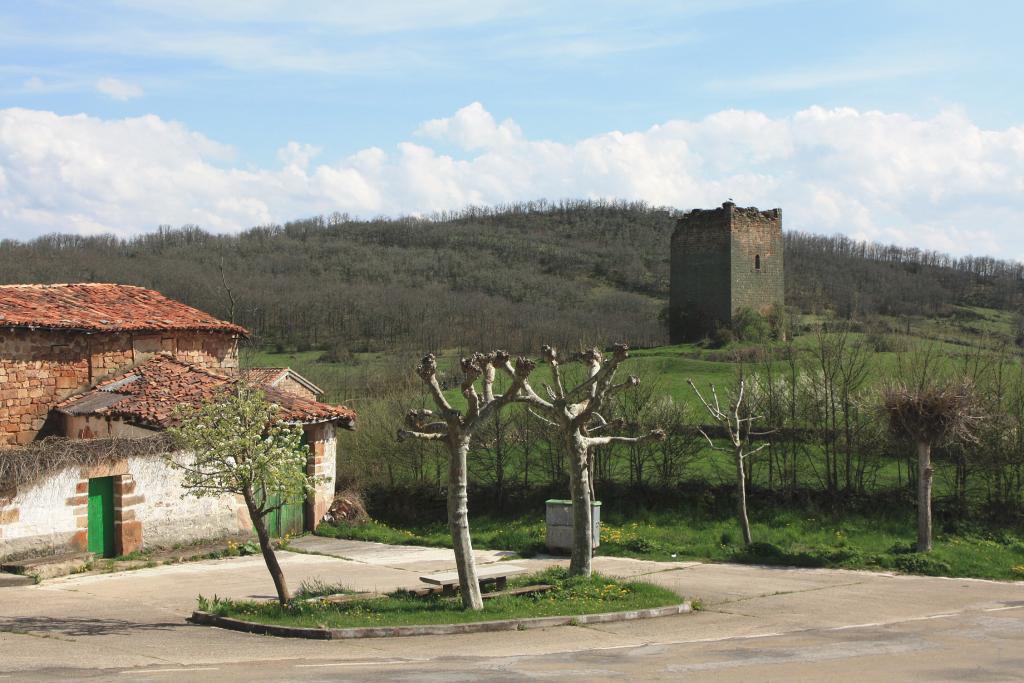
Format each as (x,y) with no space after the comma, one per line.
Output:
(759,624)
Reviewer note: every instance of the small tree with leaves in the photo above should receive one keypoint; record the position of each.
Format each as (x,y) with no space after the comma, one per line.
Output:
(737,422)
(236,444)
(456,431)
(575,415)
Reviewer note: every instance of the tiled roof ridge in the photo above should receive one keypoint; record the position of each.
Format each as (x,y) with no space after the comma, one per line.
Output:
(46,285)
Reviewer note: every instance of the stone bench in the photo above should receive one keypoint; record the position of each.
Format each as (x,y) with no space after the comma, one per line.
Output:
(494,577)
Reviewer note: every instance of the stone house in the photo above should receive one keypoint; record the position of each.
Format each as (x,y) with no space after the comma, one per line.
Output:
(101,363)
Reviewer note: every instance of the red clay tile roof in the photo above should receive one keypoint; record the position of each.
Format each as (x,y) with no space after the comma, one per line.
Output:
(148,394)
(102,308)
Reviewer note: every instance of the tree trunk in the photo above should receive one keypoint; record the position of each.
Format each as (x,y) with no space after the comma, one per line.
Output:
(924,496)
(582,525)
(741,496)
(259,522)
(458,524)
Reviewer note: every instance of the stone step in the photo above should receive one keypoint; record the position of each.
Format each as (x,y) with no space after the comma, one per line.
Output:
(49,567)
(14,580)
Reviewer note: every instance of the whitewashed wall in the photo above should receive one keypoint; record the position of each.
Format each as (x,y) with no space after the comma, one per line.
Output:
(45,520)
(168,518)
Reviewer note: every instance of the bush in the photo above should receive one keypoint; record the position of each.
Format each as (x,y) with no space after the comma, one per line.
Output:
(639,544)
(777,322)
(915,563)
(337,353)
(751,326)
(721,336)
(881,342)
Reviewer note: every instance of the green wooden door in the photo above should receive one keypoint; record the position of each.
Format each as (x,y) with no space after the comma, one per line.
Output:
(288,519)
(101,516)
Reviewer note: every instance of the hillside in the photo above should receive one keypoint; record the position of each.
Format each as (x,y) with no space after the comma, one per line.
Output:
(513,276)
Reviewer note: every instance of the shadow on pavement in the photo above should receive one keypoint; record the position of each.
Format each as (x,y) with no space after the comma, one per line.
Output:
(74,626)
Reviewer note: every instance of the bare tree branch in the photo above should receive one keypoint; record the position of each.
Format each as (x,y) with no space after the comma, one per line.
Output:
(427,370)
(653,435)
(404,434)
(551,356)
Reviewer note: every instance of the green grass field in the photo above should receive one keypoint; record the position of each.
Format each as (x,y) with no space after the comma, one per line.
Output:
(781,537)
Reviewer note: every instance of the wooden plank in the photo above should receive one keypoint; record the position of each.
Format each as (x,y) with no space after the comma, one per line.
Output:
(482,573)
(522,590)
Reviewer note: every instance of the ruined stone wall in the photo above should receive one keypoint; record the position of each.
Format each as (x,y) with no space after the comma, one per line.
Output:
(699,282)
(757,261)
(39,368)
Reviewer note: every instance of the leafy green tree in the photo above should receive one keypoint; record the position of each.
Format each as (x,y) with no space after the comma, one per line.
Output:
(237,445)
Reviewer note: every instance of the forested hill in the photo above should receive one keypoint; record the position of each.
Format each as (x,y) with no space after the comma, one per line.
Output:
(512,276)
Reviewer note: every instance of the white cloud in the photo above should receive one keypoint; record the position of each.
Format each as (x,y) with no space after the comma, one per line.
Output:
(297,154)
(941,182)
(472,127)
(118,89)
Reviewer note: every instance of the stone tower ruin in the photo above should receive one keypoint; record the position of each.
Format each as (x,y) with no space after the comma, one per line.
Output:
(723,261)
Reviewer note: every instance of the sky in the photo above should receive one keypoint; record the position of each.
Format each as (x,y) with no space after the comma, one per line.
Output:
(896,121)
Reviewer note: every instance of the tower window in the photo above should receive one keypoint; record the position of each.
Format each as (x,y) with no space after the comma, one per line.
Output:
(757,262)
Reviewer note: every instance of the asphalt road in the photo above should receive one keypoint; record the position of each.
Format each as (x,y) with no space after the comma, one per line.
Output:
(759,624)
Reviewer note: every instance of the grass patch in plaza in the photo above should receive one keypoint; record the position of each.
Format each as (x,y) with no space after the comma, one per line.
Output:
(569,596)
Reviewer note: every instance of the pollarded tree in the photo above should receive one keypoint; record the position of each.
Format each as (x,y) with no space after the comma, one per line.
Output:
(575,415)
(929,412)
(236,444)
(456,430)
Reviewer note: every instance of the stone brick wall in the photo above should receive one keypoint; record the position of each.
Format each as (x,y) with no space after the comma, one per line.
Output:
(292,387)
(322,462)
(700,285)
(757,241)
(39,368)
(723,260)
(213,350)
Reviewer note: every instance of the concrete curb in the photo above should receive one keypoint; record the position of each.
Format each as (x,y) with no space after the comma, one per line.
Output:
(207,619)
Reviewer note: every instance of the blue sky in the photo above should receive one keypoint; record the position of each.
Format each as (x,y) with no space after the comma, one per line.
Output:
(899,121)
